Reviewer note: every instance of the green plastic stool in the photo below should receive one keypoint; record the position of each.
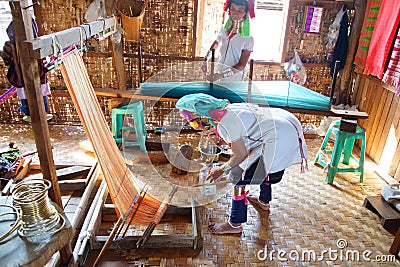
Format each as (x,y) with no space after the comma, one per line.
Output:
(343,145)
(136,110)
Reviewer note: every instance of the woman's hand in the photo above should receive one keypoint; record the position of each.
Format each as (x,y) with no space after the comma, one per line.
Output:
(215,77)
(214,174)
(204,67)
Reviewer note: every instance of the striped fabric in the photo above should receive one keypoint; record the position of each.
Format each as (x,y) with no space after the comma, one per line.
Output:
(392,73)
(371,15)
(382,38)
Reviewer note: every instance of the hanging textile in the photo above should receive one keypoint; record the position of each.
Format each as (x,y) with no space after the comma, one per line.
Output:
(122,184)
(392,73)
(371,15)
(340,51)
(382,37)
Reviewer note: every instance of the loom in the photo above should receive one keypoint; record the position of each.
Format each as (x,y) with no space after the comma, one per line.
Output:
(273,93)
(121,182)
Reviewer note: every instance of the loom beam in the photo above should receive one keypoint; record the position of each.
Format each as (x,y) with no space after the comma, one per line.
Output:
(43,45)
(157,218)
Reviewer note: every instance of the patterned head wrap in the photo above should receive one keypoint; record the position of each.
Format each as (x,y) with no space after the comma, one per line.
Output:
(199,104)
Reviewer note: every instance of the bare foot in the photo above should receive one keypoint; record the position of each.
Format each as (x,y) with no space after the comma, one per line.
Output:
(224,228)
(258,203)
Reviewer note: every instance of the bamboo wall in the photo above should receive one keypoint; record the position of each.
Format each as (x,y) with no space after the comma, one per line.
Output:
(383,125)
(167,37)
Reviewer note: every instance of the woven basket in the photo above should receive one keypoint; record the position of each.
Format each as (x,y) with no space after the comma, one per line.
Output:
(132,23)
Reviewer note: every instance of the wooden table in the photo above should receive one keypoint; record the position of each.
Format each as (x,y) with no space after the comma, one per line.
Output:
(18,251)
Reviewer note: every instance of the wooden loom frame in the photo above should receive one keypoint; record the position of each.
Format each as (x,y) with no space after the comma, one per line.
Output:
(38,48)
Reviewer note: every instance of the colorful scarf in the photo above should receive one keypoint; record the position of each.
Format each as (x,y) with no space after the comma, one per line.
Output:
(245,25)
(392,73)
(200,104)
(382,37)
(370,17)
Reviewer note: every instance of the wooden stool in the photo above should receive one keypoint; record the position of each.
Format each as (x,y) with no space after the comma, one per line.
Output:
(344,143)
(136,110)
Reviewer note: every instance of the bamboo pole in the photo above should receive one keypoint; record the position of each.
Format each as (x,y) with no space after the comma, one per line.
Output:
(100,195)
(93,175)
(359,7)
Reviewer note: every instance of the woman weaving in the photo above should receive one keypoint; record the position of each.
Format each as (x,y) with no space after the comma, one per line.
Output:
(264,142)
(235,42)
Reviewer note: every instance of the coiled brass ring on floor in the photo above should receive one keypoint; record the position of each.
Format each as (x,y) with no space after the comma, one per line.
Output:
(38,215)
(17,220)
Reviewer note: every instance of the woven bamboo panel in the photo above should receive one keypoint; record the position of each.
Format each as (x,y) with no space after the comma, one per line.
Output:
(161,113)
(62,108)
(3,72)
(318,79)
(167,28)
(102,73)
(310,46)
(268,72)
(9,110)
(55,79)
(162,69)
(60,14)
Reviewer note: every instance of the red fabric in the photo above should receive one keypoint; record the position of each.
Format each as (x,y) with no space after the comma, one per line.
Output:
(370,18)
(226,5)
(392,73)
(251,9)
(382,38)
(217,114)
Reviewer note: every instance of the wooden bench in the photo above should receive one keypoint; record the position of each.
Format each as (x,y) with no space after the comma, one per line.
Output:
(390,218)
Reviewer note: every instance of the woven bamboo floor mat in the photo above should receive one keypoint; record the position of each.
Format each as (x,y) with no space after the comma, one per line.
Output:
(308,220)
(307,217)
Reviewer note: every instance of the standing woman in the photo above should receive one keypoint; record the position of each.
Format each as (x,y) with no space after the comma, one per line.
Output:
(264,142)
(235,42)
(14,74)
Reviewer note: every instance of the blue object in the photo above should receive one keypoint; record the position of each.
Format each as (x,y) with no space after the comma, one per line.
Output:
(343,146)
(159,130)
(25,108)
(136,110)
(272,93)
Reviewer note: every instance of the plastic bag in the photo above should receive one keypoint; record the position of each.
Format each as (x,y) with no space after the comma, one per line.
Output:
(333,33)
(295,70)
(95,10)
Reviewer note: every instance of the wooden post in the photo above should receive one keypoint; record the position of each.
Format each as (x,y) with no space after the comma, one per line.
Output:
(118,54)
(195,26)
(360,7)
(38,16)
(249,87)
(140,64)
(333,84)
(199,10)
(30,71)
